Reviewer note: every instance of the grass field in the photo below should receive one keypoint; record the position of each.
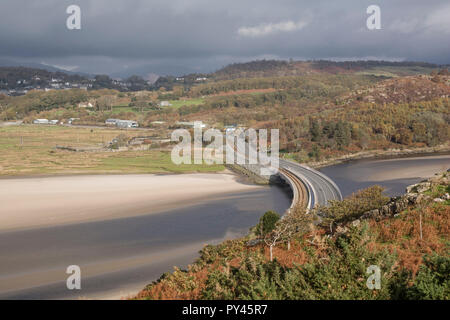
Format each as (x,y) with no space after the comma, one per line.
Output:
(30,150)
(191,102)
(393,72)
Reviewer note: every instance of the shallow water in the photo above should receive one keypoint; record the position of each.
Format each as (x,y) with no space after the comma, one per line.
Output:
(393,174)
(118,257)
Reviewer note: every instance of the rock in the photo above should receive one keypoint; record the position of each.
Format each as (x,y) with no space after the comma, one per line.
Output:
(371,214)
(446,196)
(254,242)
(411,197)
(356,223)
(411,188)
(438,200)
(420,198)
(341,229)
(422,187)
(384,210)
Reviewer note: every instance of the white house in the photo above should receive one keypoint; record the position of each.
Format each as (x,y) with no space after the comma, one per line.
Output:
(165,104)
(85,105)
(127,124)
(41,121)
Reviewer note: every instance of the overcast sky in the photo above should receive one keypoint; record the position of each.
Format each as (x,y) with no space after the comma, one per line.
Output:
(178,36)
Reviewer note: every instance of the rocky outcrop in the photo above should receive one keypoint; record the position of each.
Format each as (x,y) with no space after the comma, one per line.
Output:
(415,194)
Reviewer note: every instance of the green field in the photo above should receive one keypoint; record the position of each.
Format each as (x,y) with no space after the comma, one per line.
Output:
(30,150)
(191,102)
(392,72)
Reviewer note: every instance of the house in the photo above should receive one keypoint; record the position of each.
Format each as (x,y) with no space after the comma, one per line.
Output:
(165,104)
(40,121)
(127,124)
(85,105)
(111,122)
(71,120)
(230,129)
(189,124)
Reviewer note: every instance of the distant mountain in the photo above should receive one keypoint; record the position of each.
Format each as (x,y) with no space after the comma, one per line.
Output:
(13,63)
(148,72)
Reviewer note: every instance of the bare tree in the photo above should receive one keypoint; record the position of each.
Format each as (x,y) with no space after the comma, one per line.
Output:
(272,238)
(298,221)
(105,102)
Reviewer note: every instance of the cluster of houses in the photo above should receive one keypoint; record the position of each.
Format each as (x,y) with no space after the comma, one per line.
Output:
(24,86)
(54,122)
(122,123)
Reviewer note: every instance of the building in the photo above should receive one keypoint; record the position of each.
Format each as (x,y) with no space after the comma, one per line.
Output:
(230,129)
(127,124)
(40,121)
(165,104)
(85,105)
(71,120)
(190,124)
(111,122)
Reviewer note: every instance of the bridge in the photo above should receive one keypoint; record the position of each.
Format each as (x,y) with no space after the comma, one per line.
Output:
(309,187)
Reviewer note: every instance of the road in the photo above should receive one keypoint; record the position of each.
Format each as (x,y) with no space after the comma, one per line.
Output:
(320,188)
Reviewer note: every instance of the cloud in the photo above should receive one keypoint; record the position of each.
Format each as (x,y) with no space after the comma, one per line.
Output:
(182,36)
(436,21)
(271,28)
(439,20)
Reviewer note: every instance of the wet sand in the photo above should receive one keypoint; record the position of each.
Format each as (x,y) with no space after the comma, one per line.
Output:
(123,231)
(42,202)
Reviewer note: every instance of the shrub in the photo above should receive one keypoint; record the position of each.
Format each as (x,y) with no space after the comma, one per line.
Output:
(267,223)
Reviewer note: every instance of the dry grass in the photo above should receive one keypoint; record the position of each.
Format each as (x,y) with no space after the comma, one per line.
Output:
(30,150)
(402,235)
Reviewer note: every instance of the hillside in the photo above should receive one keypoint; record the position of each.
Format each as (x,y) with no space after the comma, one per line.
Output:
(406,237)
(281,68)
(270,68)
(321,115)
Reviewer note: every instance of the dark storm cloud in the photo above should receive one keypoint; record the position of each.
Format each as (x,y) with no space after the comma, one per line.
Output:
(200,35)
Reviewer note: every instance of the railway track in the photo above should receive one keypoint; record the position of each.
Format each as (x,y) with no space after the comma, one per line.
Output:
(299,190)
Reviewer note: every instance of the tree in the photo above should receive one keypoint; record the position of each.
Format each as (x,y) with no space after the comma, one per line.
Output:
(105,102)
(315,152)
(267,223)
(141,104)
(296,222)
(271,239)
(314,130)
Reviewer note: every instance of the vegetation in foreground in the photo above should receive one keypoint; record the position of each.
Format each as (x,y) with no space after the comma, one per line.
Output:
(313,262)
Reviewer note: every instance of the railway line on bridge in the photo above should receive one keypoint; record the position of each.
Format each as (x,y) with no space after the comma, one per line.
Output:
(309,187)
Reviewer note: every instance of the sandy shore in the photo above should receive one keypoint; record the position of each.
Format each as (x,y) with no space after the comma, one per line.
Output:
(40,202)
